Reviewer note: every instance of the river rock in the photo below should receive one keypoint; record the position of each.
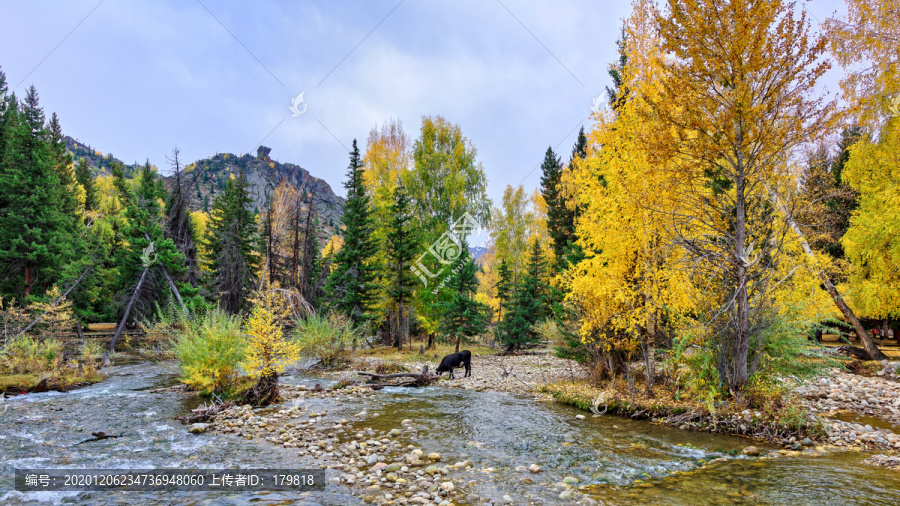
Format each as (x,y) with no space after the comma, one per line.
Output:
(448,486)
(534,468)
(198,428)
(580,417)
(751,451)
(372,490)
(807,442)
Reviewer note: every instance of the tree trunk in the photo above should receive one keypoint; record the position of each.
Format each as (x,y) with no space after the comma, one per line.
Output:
(458,339)
(112,344)
(61,297)
(430,340)
(864,338)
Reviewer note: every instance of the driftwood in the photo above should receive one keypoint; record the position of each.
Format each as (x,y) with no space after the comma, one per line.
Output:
(98,436)
(415,379)
(169,280)
(205,413)
(852,351)
(112,344)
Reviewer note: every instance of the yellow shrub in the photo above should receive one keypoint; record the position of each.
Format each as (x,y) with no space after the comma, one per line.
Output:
(268,353)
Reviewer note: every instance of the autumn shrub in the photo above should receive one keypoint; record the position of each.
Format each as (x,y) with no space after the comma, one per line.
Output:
(31,355)
(13,318)
(91,350)
(268,352)
(209,351)
(328,338)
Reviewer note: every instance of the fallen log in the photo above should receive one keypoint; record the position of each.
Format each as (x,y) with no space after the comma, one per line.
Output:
(205,413)
(414,379)
(98,436)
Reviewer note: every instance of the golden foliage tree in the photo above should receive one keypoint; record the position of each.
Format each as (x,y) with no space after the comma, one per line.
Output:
(867,45)
(631,269)
(872,243)
(737,99)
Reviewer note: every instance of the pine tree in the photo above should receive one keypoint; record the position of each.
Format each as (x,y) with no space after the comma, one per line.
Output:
(580,148)
(144,227)
(461,315)
(35,234)
(503,286)
(84,178)
(401,250)
(62,162)
(618,94)
(231,239)
(178,226)
(528,304)
(352,284)
(559,217)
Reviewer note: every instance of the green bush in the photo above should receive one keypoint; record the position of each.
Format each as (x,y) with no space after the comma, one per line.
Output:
(326,338)
(91,350)
(28,355)
(208,350)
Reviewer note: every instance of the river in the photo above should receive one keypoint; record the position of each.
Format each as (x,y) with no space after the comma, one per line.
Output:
(620,461)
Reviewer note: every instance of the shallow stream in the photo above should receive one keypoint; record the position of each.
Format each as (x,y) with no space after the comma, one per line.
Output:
(620,461)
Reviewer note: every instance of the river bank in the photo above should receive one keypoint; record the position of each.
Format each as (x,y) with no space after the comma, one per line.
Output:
(610,460)
(847,411)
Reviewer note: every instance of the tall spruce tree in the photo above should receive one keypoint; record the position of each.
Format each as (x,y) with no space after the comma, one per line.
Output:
(619,92)
(35,233)
(62,162)
(461,315)
(560,219)
(401,250)
(504,287)
(231,240)
(352,287)
(528,304)
(178,225)
(144,227)
(86,180)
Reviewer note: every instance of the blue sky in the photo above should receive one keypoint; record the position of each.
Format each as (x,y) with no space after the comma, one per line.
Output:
(136,78)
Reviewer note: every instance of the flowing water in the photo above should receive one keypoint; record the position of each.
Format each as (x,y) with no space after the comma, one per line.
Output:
(619,461)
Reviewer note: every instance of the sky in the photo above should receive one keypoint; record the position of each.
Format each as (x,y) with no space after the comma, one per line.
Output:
(136,78)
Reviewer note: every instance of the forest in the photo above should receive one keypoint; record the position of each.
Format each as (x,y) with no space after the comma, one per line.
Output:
(689,251)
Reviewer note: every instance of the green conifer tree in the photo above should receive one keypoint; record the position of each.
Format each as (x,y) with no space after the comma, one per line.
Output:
(401,250)
(461,315)
(528,304)
(231,239)
(352,288)
(35,234)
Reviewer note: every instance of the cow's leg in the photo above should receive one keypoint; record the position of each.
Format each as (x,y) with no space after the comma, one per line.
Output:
(451,373)
(468,369)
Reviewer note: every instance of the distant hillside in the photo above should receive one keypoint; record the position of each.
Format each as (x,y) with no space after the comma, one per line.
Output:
(207,179)
(96,159)
(477,252)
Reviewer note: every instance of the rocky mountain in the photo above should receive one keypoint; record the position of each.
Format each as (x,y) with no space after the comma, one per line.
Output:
(99,162)
(206,179)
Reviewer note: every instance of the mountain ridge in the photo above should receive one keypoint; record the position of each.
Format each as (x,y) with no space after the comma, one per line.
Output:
(207,178)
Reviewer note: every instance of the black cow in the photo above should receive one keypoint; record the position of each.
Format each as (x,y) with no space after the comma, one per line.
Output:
(463,358)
